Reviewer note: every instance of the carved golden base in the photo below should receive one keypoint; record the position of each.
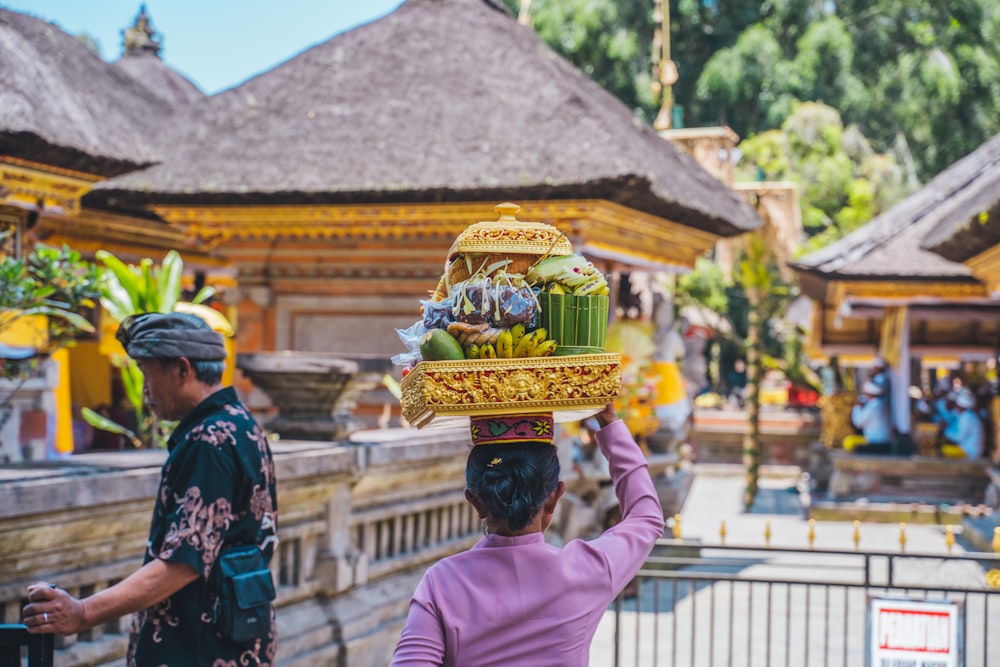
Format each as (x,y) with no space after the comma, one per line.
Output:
(482,387)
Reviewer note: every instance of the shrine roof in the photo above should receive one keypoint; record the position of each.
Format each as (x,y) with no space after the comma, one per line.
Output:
(966,205)
(440,101)
(63,105)
(928,234)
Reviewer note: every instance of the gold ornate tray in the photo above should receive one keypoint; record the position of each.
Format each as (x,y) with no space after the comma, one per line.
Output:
(579,384)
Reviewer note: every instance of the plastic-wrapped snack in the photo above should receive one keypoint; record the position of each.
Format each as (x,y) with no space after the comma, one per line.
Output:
(513,305)
(471,300)
(438,314)
(411,337)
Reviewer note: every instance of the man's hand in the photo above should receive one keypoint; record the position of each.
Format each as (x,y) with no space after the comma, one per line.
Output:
(51,610)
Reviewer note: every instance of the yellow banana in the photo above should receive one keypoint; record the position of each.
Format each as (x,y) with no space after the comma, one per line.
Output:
(516,334)
(529,342)
(544,349)
(472,351)
(505,344)
(487,351)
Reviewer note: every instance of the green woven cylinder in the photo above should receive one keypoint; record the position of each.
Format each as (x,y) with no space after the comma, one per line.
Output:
(578,324)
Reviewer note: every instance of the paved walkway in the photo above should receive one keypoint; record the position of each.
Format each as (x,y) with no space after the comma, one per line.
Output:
(743,633)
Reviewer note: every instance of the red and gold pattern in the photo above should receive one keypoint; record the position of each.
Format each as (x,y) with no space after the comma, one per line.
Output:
(491,387)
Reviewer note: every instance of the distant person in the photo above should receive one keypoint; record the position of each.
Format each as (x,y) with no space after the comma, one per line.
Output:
(514,599)
(964,437)
(870,415)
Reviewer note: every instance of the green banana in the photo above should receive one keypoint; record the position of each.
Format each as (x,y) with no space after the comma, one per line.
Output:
(597,286)
(472,351)
(550,268)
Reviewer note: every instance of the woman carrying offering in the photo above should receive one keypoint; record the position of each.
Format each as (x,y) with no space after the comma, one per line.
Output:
(514,599)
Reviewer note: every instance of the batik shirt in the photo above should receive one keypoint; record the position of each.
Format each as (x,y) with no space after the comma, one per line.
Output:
(217,489)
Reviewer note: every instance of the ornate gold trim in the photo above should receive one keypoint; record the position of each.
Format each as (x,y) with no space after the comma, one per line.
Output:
(482,387)
(632,234)
(510,235)
(26,183)
(840,290)
(986,267)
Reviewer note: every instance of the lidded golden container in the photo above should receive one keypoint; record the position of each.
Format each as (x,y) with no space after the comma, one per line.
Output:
(483,244)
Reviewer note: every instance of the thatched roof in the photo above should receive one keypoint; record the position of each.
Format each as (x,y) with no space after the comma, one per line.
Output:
(442,100)
(964,202)
(164,83)
(60,104)
(889,247)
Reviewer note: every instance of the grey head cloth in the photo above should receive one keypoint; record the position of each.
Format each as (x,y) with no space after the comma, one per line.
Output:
(170,336)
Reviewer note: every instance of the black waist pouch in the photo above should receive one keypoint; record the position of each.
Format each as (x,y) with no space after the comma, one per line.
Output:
(245,590)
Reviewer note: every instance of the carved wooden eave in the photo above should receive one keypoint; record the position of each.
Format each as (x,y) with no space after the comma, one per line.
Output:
(604,229)
(131,240)
(986,267)
(125,236)
(948,318)
(36,186)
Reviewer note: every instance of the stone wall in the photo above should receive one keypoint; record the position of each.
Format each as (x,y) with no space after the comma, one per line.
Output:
(358,522)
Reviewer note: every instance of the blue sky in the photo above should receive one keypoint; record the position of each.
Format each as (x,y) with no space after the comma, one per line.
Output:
(215,43)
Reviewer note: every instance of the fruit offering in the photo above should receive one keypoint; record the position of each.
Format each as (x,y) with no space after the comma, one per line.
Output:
(488,301)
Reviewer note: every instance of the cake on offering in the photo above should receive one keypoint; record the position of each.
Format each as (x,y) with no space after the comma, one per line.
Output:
(516,323)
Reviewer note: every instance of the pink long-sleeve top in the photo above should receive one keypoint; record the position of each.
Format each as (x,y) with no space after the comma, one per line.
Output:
(521,601)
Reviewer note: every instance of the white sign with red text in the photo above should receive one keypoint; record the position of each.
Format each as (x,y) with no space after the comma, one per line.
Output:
(910,633)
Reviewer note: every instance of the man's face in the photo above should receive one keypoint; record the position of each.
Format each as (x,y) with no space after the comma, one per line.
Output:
(162,387)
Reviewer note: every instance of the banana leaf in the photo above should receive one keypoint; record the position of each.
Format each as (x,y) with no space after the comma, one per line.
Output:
(204,294)
(100,421)
(123,275)
(132,380)
(169,281)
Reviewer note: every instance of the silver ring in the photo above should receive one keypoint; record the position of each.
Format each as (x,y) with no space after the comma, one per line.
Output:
(46,616)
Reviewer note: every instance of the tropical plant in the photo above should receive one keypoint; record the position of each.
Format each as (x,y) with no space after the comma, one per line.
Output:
(128,289)
(53,283)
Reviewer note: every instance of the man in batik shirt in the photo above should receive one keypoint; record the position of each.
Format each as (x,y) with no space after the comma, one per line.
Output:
(217,489)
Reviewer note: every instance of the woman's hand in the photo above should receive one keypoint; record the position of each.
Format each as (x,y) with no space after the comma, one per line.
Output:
(607,415)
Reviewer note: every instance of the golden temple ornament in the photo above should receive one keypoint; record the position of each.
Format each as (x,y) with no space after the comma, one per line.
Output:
(575,382)
(577,385)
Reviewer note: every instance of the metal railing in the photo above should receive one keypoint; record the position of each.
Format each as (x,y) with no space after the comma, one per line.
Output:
(16,644)
(703,606)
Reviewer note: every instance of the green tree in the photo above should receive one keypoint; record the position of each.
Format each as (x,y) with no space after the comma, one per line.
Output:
(920,79)
(843,182)
(609,40)
(932,70)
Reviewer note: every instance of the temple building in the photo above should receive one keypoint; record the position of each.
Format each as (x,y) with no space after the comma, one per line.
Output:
(323,195)
(70,120)
(897,287)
